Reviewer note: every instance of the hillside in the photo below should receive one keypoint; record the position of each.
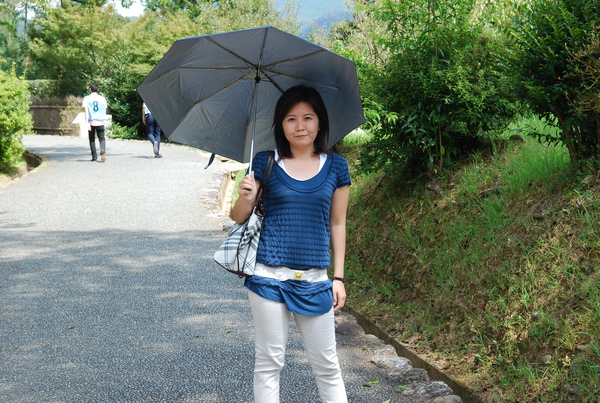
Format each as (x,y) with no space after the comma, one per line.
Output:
(490,273)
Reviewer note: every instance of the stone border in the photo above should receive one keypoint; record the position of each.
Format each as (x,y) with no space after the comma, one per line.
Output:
(402,350)
(32,161)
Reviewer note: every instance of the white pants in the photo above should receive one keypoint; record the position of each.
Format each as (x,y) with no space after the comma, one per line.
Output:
(271,325)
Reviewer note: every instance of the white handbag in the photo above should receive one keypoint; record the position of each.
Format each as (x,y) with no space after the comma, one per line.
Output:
(238,253)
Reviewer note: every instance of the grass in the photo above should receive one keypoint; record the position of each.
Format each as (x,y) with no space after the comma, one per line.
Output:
(498,276)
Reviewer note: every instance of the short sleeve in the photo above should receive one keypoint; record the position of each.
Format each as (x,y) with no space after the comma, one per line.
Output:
(342,171)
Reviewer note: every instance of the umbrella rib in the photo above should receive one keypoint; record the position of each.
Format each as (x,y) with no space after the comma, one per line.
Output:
(271,75)
(268,74)
(249,65)
(304,56)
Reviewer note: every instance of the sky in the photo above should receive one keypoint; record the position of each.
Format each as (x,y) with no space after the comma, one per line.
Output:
(134,11)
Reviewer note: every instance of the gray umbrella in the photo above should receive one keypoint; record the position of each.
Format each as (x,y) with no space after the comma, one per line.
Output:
(218,92)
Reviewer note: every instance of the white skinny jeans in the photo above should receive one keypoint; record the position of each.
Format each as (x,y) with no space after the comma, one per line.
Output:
(271,327)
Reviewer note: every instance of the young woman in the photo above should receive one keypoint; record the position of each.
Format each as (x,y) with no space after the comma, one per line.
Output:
(305,204)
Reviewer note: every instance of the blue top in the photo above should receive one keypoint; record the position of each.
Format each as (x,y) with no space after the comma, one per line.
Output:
(295,233)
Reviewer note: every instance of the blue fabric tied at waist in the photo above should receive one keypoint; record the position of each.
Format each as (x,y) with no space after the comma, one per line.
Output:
(302,297)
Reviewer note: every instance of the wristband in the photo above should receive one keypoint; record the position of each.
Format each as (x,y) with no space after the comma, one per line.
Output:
(339,279)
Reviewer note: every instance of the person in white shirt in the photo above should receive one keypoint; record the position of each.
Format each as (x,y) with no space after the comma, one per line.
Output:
(95,106)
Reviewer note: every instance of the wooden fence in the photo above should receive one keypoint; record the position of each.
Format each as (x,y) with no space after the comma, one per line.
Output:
(56,116)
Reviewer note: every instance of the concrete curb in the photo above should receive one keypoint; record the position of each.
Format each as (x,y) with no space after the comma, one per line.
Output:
(33,161)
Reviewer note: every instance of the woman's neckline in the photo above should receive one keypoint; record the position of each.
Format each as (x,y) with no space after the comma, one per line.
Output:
(281,163)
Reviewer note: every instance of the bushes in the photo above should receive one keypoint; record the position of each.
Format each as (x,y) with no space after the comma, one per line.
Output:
(452,79)
(15,119)
(444,81)
(116,131)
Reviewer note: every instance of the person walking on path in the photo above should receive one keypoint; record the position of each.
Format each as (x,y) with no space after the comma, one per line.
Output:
(152,129)
(95,106)
(305,205)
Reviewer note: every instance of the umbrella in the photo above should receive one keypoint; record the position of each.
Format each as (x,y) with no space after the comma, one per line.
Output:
(218,92)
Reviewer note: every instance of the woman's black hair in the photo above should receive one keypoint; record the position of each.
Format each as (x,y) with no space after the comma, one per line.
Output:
(290,98)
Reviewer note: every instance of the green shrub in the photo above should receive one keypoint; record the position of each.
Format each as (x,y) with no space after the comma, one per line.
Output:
(116,131)
(444,82)
(15,119)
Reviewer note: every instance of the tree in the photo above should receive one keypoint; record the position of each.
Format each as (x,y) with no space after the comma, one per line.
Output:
(14,18)
(438,83)
(587,95)
(191,7)
(75,45)
(557,60)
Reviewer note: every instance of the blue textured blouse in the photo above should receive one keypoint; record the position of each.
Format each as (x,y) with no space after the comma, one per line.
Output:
(296,233)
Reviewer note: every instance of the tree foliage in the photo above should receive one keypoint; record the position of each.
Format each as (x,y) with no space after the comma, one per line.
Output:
(587,71)
(13,33)
(75,45)
(15,119)
(441,86)
(224,15)
(191,7)
(557,60)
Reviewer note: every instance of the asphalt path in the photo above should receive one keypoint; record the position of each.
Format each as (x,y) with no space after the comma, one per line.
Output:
(109,293)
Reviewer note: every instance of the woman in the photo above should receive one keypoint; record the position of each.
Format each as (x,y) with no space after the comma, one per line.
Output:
(305,202)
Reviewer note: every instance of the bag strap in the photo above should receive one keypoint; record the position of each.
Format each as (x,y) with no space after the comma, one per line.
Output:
(264,182)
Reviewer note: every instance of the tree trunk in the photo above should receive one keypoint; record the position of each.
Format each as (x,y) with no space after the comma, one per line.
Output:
(561,118)
(598,138)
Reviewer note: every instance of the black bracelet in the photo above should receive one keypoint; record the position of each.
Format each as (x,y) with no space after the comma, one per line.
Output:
(339,278)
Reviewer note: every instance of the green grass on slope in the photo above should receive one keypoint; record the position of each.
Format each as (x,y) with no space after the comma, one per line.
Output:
(495,279)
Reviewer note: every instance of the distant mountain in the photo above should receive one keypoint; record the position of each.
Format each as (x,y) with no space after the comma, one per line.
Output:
(312,10)
(324,21)
(321,12)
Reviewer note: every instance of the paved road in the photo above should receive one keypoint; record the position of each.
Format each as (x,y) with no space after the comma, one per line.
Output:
(108,291)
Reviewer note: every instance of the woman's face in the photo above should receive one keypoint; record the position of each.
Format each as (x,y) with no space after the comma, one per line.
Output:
(301,125)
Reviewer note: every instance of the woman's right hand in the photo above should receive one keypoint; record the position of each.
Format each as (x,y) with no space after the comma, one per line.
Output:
(247,191)
(247,188)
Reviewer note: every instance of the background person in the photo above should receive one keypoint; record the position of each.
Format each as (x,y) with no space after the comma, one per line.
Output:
(152,129)
(95,106)
(305,204)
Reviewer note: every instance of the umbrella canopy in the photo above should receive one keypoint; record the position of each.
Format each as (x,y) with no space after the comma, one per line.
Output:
(218,92)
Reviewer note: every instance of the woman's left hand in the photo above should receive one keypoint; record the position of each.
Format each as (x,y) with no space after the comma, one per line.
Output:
(339,295)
